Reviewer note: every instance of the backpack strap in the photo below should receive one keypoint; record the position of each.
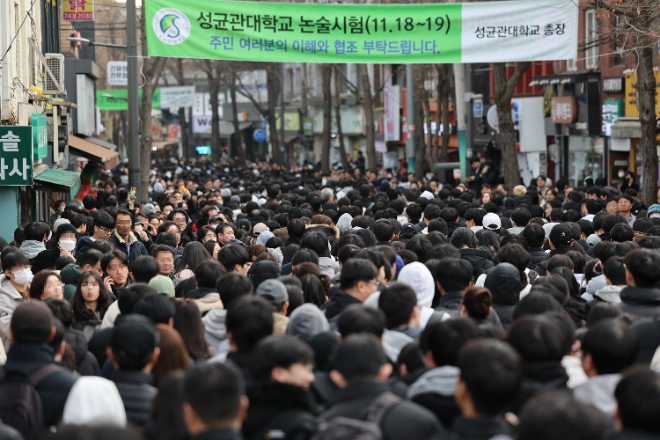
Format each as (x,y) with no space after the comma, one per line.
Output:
(379,406)
(42,373)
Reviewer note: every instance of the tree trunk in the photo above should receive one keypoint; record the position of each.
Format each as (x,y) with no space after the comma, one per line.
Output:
(214,89)
(152,70)
(238,139)
(326,79)
(368,105)
(340,134)
(420,156)
(503,92)
(646,102)
(445,92)
(429,129)
(185,139)
(272,86)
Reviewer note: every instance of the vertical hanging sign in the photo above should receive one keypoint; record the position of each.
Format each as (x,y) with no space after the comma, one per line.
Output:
(78,10)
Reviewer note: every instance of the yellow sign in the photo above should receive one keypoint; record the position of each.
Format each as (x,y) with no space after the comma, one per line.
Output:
(630,102)
(78,10)
(291,121)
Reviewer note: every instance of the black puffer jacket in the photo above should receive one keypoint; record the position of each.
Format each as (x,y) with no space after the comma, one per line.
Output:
(640,301)
(505,285)
(86,363)
(137,393)
(479,259)
(537,256)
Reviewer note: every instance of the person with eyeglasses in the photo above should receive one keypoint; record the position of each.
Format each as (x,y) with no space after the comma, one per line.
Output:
(45,285)
(104,226)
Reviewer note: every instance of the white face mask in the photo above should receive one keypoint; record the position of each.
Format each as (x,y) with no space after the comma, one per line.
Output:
(62,208)
(622,174)
(23,276)
(68,245)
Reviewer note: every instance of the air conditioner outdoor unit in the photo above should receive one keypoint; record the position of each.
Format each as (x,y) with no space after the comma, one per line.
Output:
(55,62)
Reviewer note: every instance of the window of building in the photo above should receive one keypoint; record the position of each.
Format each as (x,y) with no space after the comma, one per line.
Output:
(591,39)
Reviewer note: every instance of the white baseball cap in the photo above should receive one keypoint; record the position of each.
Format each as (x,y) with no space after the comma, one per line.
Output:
(492,222)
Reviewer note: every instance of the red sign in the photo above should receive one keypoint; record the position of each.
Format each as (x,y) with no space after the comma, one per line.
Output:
(563,110)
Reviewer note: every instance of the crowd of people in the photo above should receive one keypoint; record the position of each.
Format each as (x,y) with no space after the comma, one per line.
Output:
(257,302)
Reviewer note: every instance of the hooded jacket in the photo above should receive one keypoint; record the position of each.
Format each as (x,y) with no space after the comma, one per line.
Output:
(435,390)
(337,304)
(505,285)
(32,248)
(206,299)
(86,363)
(306,321)
(393,343)
(599,392)
(418,276)
(216,330)
(344,222)
(268,404)
(10,298)
(84,244)
(94,401)
(538,377)
(640,301)
(328,266)
(70,275)
(609,294)
(479,259)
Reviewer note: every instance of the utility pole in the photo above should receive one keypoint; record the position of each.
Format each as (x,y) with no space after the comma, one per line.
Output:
(410,145)
(133,109)
(459,81)
(283,144)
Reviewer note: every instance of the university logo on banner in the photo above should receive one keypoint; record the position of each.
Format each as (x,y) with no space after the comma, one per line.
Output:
(171,26)
(78,10)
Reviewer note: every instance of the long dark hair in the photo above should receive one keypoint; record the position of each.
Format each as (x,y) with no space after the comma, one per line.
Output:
(188,322)
(193,254)
(39,281)
(80,311)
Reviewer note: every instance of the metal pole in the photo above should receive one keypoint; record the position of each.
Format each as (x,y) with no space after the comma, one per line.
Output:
(410,100)
(459,114)
(283,143)
(133,112)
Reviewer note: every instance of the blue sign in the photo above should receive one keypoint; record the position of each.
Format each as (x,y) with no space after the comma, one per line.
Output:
(203,150)
(478,108)
(259,135)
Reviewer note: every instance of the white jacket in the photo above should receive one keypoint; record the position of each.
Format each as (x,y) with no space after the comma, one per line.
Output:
(10,298)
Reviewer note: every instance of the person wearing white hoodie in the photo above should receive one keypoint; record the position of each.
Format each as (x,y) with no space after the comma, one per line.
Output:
(419,277)
(94,401)
(36,234)
(615,280)
(14,290)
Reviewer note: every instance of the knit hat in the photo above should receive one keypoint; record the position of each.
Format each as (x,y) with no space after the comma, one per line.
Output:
(492,222)
(149,209)
(259,228)
(306,321)
(653,209)
(32,322)
(133,339)
(59,222)
(163,285)
(94,401)
(64,228)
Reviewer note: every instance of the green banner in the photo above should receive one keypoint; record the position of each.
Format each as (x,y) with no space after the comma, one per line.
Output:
(16,155)
(373,33)
(117,99)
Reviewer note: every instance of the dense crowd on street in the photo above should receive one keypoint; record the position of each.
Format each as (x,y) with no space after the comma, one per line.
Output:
(250,301)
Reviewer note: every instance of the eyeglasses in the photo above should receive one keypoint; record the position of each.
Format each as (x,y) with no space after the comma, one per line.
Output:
(106,230)
(55,285)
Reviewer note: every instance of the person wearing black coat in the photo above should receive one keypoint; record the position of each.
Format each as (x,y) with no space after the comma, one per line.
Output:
(86,362)
(505,285)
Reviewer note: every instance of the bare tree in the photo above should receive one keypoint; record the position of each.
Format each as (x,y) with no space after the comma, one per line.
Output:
(368,106)
(213,71)
(503,93)
(326,80)
(639,35)
(238,138)
(340,134)
(176,68)
(418,109)
(445,73)
(152,68)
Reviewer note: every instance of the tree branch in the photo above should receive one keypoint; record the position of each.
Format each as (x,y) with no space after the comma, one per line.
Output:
(521,68)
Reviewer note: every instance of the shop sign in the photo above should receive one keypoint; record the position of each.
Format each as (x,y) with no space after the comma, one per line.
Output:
(612,111)
(563,110)
(40,134)
(78,10)
(16,158)
(630,105)
(613,85)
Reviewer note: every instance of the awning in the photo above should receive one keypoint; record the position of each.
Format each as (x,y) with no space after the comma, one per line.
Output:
(102,143)
(162,145)
(55,180)
(627,129)
(95,153)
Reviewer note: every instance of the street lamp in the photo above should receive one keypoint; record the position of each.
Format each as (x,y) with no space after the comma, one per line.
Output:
(88,42)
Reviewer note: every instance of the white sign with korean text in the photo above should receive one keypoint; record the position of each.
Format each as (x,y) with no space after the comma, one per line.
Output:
(117,73)
(179,96)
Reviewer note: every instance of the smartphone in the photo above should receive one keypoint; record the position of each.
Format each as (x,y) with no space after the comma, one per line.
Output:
(132,193)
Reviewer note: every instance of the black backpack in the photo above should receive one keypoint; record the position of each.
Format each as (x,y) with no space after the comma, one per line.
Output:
(20,405)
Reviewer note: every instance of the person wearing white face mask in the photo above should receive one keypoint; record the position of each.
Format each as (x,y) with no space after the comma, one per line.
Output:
(65,237)
(14,290)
